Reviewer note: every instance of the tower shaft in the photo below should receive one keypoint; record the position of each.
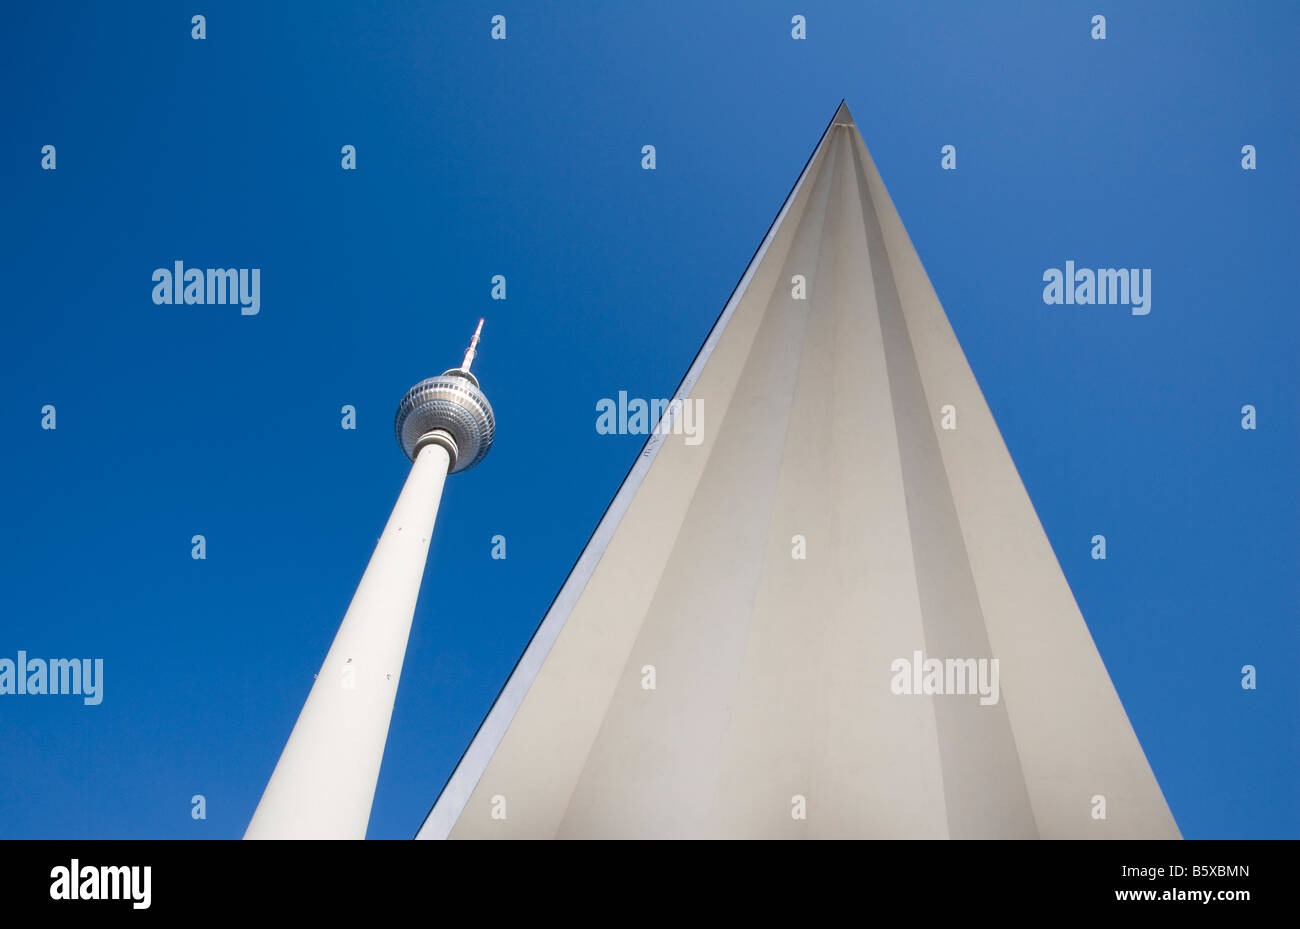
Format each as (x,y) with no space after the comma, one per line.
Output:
(324,782)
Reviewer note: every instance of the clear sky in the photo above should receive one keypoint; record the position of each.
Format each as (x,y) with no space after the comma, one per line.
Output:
(523,158)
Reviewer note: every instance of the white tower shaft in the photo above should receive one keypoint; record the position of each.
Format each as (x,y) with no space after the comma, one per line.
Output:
(324,783)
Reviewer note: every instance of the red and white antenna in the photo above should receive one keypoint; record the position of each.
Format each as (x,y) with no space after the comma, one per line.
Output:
(473,345)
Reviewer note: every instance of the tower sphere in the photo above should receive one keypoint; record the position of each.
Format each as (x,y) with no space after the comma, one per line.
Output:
(449,410)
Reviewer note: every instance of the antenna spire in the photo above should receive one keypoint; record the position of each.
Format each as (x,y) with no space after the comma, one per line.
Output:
(473,346)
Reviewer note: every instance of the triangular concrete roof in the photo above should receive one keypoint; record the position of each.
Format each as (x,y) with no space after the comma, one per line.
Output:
(775,676)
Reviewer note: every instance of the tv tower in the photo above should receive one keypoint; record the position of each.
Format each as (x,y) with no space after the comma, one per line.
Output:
(324,782)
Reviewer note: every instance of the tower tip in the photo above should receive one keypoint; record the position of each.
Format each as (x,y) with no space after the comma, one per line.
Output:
(473,346)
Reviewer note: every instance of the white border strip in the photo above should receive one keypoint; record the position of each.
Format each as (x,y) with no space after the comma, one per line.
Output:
(451,802)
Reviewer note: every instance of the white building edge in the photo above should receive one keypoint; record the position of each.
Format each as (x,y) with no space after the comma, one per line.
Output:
(773,710)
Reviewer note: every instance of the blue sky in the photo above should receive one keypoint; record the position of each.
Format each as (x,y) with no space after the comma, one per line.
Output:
(522,158)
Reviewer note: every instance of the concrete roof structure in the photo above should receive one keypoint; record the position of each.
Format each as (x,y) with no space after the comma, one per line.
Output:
(697,678)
